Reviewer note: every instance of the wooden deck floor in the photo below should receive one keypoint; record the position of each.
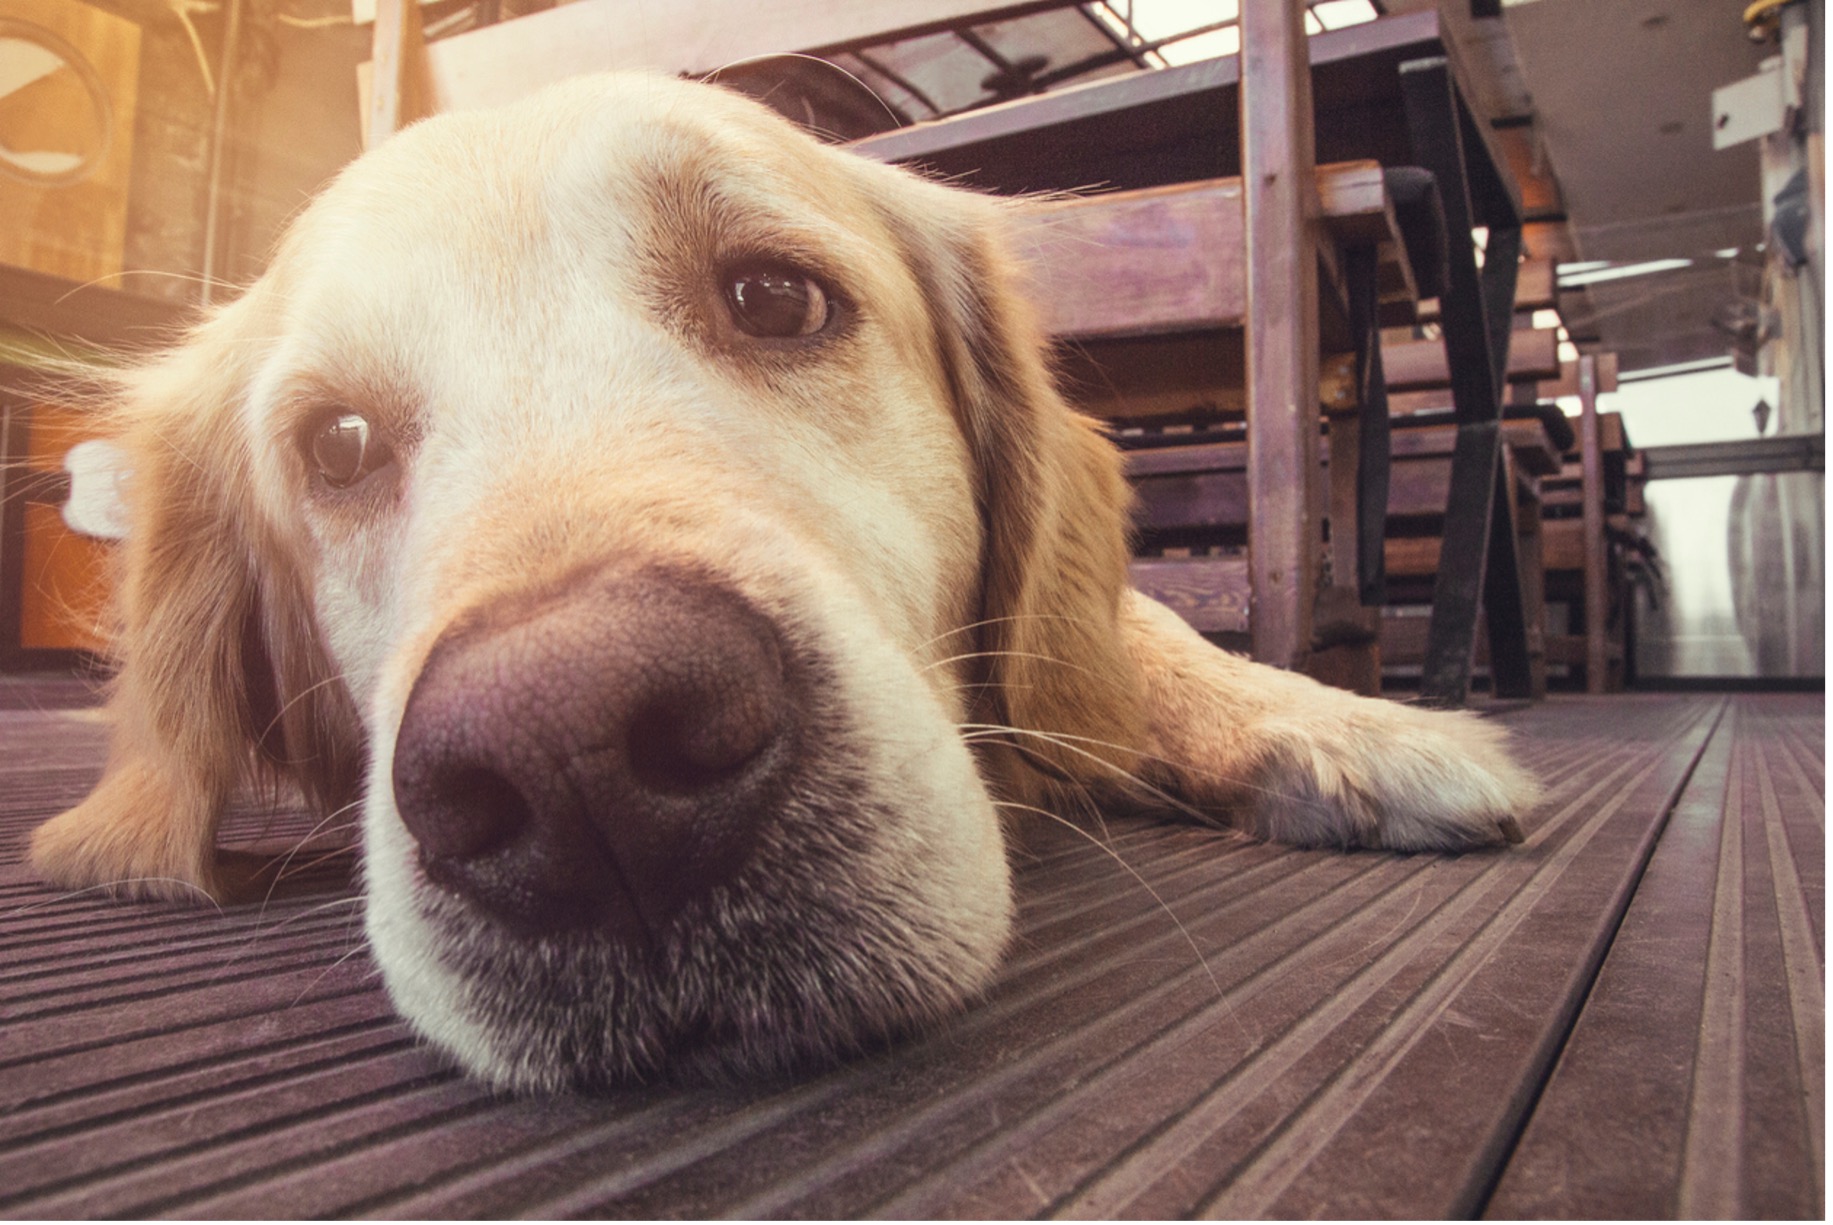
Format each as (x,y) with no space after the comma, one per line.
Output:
(1622,1017)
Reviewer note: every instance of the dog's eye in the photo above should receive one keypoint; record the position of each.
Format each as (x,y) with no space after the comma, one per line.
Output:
(776,302)
(345,449)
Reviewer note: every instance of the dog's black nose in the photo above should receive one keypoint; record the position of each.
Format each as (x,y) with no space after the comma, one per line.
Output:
(599,757)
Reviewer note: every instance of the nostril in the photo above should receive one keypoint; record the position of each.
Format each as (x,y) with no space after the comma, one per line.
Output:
(680,747)
(479,810)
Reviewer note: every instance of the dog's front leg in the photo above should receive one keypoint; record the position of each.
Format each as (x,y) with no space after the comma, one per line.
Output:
(147,830)
(1289,759)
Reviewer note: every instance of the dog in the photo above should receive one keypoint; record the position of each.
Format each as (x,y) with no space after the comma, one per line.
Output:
(665,529)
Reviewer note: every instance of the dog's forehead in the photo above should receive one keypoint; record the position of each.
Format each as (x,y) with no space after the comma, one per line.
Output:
(588,156)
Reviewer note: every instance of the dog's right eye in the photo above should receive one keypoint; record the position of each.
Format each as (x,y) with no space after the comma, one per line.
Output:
(777,302)
(345,449)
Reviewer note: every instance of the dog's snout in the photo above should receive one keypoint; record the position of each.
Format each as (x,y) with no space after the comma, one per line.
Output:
(601,757)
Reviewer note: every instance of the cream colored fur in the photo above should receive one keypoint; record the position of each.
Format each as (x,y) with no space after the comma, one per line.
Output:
(528,300)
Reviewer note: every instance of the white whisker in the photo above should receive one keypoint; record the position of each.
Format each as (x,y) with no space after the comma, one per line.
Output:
(1111,853)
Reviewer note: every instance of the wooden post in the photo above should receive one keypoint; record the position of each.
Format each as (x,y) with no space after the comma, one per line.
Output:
(397,50)
(1346,634)
(1525,513)
(1277,171)
(1591,486)
(228,69)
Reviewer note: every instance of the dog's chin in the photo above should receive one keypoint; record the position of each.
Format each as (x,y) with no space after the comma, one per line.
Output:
(802,960)
(744,985)
(876,902)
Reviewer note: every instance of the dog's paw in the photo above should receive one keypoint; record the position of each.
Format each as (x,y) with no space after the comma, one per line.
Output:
(1378,774)
(135,836)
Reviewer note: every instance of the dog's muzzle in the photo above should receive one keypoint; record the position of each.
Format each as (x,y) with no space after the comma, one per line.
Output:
(600,756)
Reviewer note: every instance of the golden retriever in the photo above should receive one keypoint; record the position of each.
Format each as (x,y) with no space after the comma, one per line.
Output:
(664,527)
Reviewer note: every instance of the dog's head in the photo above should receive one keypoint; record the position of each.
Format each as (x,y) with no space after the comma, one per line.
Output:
(666,526)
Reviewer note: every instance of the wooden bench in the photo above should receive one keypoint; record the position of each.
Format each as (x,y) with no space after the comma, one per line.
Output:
(1193,511)
(1147,291)
(1586,540)
(1415,547)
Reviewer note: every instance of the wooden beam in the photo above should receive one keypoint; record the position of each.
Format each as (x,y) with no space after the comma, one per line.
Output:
(394,95)
(512,59)
(1277,163)
(1597,610)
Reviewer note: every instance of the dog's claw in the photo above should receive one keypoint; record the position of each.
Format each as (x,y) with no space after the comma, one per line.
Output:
(1511,830)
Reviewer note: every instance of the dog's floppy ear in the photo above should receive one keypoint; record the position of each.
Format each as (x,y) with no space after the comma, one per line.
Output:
(1053,504)
(218,665)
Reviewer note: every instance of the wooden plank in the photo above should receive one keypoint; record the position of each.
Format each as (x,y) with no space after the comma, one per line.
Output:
(1167,377)
(1355,208)
(1524,435)
(1170,259)
(1564,542)
(1535,289)
(1694,1082)
(500,63)
(1278,175)
(1536,286)
(1166,259)
(1533,354)
(1217,498)
(1205,484)
(1212,593)
(1565,383)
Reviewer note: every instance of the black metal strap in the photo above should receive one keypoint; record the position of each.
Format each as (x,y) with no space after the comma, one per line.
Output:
(1478,563)
(1374,461)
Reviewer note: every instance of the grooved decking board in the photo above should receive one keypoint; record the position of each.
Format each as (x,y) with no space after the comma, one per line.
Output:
(1694,1084)
(1276,1032)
